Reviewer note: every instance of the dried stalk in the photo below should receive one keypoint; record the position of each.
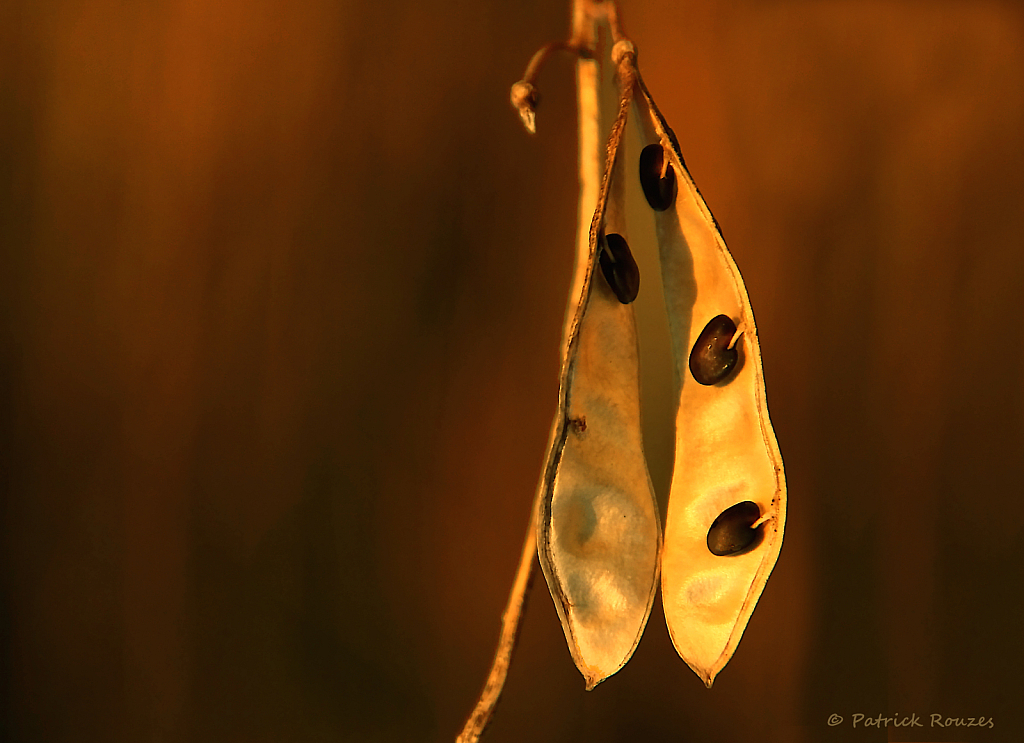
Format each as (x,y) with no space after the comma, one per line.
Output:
(510,620)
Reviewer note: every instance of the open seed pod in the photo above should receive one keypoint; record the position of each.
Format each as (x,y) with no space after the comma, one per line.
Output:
(727,504)
(599,531)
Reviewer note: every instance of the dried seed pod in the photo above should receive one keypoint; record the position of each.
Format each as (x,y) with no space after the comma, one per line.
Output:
(598,530)
(598,526)
(598,533)
(727,462)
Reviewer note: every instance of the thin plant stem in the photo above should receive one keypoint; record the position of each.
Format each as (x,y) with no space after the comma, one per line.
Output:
(510,622)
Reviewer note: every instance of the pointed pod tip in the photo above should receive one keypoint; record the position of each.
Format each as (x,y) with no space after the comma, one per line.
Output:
(529,120)
(707,671)
(707,674)
(592,675)
(524,98)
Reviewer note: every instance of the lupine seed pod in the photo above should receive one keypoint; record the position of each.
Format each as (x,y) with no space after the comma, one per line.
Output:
(599,531)
(595,524)
(727,504)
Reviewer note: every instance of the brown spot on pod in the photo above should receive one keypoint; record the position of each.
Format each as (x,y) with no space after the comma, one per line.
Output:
(711,359)
(659,190)
(618,267)
(731,533)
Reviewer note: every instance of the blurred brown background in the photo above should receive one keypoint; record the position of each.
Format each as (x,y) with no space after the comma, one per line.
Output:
(281,287)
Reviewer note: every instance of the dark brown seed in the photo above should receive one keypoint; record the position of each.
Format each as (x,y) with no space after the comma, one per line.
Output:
(731,533)
(711,359)
(660,192)
(618,267)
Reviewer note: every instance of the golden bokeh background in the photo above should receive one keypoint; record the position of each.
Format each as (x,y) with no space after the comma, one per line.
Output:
(281,289)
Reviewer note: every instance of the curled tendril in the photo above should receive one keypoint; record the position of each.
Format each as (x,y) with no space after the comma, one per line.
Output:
(524,94)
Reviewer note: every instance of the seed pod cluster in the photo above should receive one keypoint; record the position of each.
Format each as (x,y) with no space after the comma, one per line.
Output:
(599,535)
(596,525)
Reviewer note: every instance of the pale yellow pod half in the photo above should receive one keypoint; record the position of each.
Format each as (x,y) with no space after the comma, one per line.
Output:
(726,453)
(599,530)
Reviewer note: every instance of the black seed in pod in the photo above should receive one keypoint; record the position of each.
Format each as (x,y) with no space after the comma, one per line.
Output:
(731,533)
(618,267)
(711,359)
(660,191)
